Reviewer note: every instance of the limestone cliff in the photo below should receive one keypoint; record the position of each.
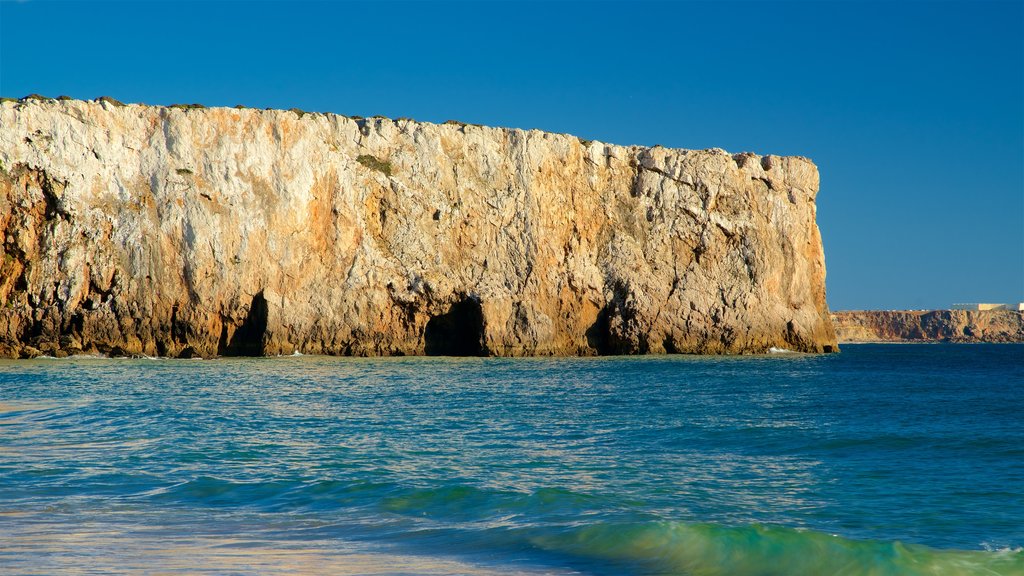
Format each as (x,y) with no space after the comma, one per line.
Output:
(929,326)
(132,229)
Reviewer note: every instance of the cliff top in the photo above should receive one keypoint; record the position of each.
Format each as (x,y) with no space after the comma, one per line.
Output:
(109,103)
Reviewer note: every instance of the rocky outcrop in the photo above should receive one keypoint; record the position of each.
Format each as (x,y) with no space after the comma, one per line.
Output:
(132,229)
(930,326)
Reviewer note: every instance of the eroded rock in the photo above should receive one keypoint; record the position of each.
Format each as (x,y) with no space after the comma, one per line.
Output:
(200,232)
(930,326)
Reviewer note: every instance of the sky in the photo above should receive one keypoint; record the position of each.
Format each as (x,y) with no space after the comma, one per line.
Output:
(913,111)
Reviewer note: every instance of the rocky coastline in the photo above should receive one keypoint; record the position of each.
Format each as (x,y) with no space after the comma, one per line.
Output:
(961,326)
(189,231)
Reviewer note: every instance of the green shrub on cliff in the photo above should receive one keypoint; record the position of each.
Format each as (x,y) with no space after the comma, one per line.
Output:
(110,100)
(375,163)
(461,124)
(187,106)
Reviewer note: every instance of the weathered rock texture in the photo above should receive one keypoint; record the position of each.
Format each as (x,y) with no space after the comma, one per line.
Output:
(164,231)
(930,326)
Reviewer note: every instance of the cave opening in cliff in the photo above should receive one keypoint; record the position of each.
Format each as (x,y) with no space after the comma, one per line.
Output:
(458,332)
(599,333)
(247,339)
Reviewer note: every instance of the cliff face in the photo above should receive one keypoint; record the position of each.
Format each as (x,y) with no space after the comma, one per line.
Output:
(930,326)
(162,231)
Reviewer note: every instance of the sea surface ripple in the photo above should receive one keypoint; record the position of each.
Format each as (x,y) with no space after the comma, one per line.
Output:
(883,459)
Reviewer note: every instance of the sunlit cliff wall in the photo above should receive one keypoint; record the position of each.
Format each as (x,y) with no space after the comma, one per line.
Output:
(930,326)
(132,229)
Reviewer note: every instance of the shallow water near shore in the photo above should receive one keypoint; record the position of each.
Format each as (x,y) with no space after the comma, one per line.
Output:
(883,459)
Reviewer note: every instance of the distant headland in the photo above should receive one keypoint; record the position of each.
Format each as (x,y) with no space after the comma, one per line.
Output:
(189,231)
(967,324)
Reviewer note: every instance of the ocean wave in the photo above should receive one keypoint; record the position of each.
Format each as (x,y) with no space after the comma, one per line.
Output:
(549,521)
(712,550)
(448,502)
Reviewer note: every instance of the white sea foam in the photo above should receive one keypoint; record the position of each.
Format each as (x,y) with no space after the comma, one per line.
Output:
(1002,549)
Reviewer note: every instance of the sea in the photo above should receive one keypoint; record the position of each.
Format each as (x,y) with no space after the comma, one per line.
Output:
(879,460)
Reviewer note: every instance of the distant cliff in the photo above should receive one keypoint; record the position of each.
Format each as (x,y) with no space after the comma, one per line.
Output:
(181,231)
(930,326)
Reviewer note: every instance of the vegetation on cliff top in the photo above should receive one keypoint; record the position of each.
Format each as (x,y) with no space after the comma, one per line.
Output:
(110,100)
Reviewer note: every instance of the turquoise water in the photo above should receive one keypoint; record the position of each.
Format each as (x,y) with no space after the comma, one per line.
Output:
(884,459)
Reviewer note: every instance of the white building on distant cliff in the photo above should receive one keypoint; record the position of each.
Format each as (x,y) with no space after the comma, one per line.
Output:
(1017,306)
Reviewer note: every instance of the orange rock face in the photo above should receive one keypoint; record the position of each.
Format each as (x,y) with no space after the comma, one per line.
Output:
(150,230)
(930,326)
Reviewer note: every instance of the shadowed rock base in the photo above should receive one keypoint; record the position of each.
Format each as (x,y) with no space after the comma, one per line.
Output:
(459,332)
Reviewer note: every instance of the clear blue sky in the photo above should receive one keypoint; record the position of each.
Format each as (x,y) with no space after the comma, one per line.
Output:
(914,112)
